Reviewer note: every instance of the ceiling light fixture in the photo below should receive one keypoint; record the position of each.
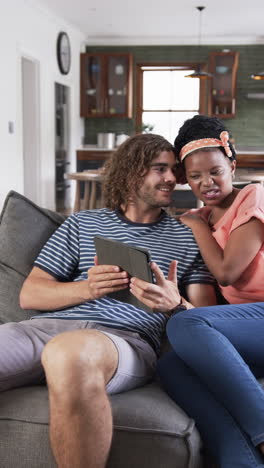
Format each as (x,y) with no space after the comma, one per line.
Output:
(258,76)
(198,73)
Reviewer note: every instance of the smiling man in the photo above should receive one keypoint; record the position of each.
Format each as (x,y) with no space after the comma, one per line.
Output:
(85,343)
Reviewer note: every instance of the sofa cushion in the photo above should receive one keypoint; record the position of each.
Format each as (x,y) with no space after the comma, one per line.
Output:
(150,430)
(24,229)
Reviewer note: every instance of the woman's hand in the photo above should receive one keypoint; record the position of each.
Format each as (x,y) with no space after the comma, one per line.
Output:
(192,219)
(162,296)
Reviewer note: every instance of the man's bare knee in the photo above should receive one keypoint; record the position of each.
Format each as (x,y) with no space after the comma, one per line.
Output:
(82,357)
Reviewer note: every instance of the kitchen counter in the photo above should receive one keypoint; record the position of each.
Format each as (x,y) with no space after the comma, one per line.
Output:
(94,148)
(250,158)
(93,153)
(247,157)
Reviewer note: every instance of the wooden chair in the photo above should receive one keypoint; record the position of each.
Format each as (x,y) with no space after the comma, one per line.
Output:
(91,180)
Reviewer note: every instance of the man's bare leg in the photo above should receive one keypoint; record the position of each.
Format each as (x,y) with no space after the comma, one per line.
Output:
(78,366)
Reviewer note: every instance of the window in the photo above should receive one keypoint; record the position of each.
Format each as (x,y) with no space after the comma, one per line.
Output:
(167,98)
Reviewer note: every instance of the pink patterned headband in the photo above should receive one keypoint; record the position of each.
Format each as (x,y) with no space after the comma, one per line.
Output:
(207,142)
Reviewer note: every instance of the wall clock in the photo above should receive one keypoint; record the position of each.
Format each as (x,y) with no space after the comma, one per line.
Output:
(64,52)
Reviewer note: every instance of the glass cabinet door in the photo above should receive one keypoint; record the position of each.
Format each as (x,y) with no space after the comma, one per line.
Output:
(106,85)
(117,84)
(92,96)
(223,66)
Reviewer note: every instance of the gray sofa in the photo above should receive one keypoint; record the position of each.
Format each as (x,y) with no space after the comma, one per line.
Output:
(150,430)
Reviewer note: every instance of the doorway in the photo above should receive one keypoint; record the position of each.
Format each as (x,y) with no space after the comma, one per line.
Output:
(62,147)
(31,128)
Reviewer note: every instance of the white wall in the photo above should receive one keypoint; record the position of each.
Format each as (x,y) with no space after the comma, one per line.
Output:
(27,30)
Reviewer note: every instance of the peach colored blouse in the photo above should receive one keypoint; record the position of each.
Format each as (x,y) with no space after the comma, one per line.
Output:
(248,203)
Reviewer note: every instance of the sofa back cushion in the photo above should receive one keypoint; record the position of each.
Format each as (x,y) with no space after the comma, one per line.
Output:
(24,229)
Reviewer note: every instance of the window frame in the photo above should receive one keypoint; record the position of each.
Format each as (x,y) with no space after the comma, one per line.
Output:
(156,65)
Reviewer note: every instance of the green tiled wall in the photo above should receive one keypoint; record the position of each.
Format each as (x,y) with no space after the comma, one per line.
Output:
(248,126)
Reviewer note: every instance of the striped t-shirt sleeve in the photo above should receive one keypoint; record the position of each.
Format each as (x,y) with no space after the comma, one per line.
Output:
(60,254)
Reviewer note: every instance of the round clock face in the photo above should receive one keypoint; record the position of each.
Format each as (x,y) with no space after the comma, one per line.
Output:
(64,53)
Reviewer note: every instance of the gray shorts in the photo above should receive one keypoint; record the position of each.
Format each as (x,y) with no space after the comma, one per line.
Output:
(21,345)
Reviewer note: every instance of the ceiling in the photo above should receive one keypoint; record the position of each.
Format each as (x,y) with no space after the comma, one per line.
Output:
(170,22)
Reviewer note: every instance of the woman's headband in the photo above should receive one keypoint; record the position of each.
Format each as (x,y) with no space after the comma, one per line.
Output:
(207,143)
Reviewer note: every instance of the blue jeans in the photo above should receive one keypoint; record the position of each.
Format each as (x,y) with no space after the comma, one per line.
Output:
(218,354)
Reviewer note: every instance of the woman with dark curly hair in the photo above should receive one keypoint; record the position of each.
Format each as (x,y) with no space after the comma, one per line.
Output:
(229,229)
(218,351)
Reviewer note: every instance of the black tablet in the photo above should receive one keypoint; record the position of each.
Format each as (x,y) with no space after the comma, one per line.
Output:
(134,260)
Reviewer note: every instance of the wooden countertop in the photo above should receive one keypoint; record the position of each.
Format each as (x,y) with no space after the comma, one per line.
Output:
(94,148)
(254,159)
(95,154)
(250,159)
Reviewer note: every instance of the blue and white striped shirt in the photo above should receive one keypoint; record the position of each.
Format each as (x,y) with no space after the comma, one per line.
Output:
(70,252)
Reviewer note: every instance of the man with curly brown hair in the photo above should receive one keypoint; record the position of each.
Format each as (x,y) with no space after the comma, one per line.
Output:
(85,343)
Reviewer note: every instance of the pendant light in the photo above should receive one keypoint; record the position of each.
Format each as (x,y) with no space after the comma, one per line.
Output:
(258,76)
(198,73)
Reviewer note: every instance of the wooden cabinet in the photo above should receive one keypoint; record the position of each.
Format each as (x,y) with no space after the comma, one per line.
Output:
(222,101)
(249,160)
(106,85)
